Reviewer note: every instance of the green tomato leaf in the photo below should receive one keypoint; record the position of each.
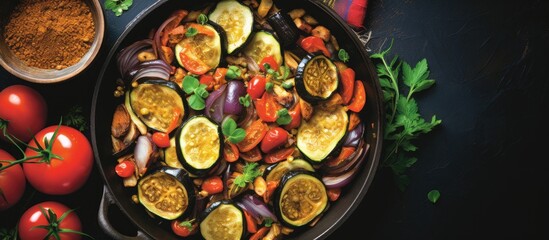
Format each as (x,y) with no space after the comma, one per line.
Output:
(433,196)
(190,83)
(196,102)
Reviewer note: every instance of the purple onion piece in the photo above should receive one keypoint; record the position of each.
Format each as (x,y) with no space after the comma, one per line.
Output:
(127,57)
(215,104)
(157,44)
(344,178)
(256,207)
(235,90)
(249,115)
(354,136)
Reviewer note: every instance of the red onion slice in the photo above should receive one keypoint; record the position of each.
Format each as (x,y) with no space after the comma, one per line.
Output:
(235,90)
(256,207)
(215,104)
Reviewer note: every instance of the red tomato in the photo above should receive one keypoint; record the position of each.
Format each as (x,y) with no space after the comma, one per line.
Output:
(183,231)
(269,60)
(161,139)
(274,138)
(333,194)
(279,155)
(254,134)
(359,97)
(347,85)
(191,62)
(125,168)
(12,182)
(314,44)
(267,107)
(213,185)
(253,155)
(230,152)
(33,217)
(65,164)
(256,87)
(295,113)
(23,112)
(207,80)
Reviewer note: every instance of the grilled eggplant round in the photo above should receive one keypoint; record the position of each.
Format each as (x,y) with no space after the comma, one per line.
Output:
(316,78)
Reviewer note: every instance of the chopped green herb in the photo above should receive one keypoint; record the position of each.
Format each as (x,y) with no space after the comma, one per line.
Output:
(404,122)
(283,117)
(232,132)
(268,222)
(433,196)
(75,118)
(202,19)
(191,85)
(288,84)
(245,101)
(250,172)
(118,6)
(196,102)
(269,87)
(191,32)
(233,72)
(343,55)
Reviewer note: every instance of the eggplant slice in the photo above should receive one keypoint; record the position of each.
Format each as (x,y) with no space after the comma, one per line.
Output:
(316,78)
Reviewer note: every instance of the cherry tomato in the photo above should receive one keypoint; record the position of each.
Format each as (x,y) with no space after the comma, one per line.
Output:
(359,97)
(213,185)
(254,134)
(256,87)
(191,62)
(65,167)
(253,155)
(333,194)
(268,60)
(230,152)
(347,84)
(183,231)
(267,107)
(279,155)
(161,139)
(274,138)
(12,182)
(125,168)
(33,218)
(23,112)
(314,44)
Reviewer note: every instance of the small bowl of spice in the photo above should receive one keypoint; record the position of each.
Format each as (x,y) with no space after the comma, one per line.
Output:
(44,41)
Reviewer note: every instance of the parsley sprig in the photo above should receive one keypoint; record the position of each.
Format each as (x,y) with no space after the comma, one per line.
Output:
(118,6)
(404,122)
(250,172)
(75,118)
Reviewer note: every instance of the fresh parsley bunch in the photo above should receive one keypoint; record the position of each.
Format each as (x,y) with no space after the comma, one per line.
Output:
(404,122)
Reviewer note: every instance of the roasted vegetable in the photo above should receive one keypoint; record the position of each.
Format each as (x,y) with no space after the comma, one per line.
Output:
(202,52)
(276,171)
(237,21)
(262,45)
(223,220)
(316,78)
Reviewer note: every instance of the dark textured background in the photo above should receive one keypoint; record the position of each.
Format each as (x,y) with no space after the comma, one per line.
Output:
(488,158)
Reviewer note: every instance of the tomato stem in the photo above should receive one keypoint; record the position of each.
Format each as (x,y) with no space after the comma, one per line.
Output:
(54,223)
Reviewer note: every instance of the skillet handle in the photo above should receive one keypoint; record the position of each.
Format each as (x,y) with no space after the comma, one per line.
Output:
(106,202)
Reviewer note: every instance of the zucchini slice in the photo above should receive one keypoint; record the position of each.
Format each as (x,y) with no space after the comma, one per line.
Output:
(167,193)
(236,19)
(204,48)
(170,155)
(316,78)
(300,198)
(323,133)
(276,171)
(158,104)
(264,44)
(199,145)
(223,220)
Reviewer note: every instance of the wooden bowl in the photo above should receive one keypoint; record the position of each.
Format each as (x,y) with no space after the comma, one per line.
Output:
(15,66)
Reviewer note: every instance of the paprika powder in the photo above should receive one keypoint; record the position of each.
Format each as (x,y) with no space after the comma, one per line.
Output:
(50,34)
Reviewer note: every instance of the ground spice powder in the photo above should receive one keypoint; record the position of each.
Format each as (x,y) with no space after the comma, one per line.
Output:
(50,34)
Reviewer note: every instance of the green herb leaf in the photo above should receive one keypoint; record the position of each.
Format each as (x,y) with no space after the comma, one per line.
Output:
(202,19)
(269,86)
(75,118)
(237,136)
(250,172)
(233,72)
(404,122)
(229,125)
(201,91)
(118,6)
(231,131)
(188,224)
(433,196)
(190,83)
(288,84)
(283,117)
(191,32)
(343,55)
(196,102)
(267,222)
(246,100)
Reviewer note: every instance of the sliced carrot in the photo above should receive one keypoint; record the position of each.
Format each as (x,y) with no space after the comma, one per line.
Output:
(354,120)
(250,222)
(359,97)
(347,84)
(260,233)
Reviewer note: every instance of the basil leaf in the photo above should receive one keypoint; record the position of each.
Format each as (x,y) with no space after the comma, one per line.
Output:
(196,102)
(433,196)
(190,84)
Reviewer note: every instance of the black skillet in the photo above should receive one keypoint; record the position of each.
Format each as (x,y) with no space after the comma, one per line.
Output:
(104,102)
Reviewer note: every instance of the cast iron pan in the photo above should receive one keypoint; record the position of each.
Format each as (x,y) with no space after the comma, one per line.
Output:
(115,194)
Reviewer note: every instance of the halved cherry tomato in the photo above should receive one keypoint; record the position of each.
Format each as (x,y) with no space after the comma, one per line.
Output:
(347,84)
(125,168)
(274,138)
(295,113)
(176,119)
(207,80)
(253,155)
(256,87)
(314,44)
(279,155)
(230,152)
(183,231)
(161,139)
(266,107)
(333,193)
(254,134)
(260,233)
(251,225)
(213,185)
(359,97)
(191,62)
(268,60)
